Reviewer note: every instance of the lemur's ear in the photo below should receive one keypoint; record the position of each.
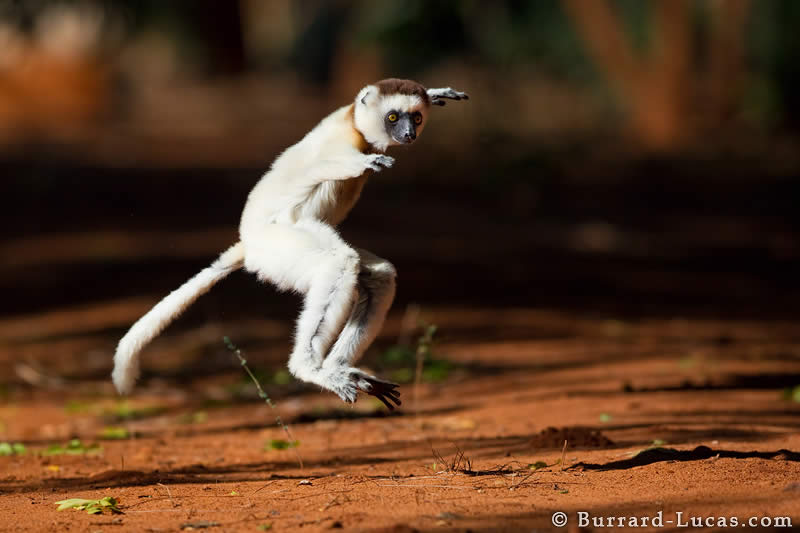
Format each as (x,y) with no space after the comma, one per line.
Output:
(367,95)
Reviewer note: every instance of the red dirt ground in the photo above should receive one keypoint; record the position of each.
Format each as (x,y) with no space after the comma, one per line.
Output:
(659,416)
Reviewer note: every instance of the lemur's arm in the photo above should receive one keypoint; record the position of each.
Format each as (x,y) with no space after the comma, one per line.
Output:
(437,95)
(347,166)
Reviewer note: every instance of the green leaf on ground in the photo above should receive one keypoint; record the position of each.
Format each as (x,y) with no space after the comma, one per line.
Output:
(537,465)
(73,447)
(114,433)
(12,448)
(281,444)
(107,504)
(125,411)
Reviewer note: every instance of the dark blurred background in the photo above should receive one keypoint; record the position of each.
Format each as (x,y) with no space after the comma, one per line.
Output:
(617,158)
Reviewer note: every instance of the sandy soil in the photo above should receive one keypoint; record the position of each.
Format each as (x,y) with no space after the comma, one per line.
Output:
(660,416)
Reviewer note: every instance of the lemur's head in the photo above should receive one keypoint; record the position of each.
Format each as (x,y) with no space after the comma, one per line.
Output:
(391,112)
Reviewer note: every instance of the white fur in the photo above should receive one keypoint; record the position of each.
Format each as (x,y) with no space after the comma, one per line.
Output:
(370,120)
(288,238)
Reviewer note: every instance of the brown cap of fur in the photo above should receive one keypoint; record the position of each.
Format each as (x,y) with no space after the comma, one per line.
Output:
(398,86)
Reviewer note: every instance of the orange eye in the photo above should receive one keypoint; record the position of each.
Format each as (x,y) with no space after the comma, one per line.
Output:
(392,117)
(418,120)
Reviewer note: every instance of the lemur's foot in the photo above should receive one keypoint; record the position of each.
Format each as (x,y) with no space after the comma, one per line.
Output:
(343,385)
(348,382)
(382,390)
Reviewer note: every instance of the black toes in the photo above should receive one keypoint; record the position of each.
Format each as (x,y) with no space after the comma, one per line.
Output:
(387,399)
(385,391)
(385,402)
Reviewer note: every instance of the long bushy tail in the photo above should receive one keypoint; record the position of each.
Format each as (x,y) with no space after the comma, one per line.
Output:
(126,359)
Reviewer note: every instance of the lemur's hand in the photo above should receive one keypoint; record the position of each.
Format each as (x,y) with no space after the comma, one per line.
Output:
(378,162)
(437,95)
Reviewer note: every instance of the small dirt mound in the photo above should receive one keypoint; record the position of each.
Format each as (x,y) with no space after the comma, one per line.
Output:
(576,437)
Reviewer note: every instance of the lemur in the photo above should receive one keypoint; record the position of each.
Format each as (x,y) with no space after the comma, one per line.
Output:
(288,237)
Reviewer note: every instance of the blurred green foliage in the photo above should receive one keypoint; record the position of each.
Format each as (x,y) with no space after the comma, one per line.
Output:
(12,448)
(281,444)
(124,410)
(113,433)
(401,360)
(73,447)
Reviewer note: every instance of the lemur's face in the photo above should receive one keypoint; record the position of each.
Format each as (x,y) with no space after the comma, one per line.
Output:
(391,118)
(403,118)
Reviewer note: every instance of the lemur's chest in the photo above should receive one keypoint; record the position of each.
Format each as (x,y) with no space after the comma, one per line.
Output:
(331,201)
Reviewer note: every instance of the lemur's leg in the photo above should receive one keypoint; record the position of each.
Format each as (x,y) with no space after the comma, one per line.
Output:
(376,288)
(309,257)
